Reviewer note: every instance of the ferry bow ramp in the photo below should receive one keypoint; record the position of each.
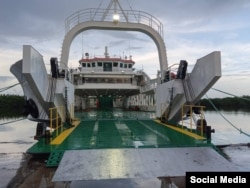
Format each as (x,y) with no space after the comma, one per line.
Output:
(138,163)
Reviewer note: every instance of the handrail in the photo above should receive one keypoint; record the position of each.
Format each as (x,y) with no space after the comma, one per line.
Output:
(149,85)
(201,117)
(54,116)
(127,16)
(152,83)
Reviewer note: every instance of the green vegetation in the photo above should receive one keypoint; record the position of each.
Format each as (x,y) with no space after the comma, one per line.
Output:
(228,103)
(11,105)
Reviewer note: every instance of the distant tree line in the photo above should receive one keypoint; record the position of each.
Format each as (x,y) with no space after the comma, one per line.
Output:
(11,105)
(228,103)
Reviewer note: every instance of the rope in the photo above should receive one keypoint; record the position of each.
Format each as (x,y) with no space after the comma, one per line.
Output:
(12,121)
(230,94)
(241,132)
(6,88)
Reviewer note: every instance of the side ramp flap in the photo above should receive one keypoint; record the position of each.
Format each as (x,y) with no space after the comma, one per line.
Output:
(138,163)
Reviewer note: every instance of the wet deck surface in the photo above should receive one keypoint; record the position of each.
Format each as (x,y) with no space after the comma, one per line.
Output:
(117,129)
(138,163)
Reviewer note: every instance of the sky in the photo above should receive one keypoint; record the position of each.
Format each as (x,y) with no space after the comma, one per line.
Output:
(192,29)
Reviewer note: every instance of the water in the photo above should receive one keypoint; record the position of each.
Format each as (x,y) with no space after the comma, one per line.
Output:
(17,137)
(225,133)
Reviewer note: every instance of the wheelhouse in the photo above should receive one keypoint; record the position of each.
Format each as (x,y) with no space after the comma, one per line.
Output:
(106,64)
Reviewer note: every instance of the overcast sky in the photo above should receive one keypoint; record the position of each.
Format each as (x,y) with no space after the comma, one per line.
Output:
(192,29)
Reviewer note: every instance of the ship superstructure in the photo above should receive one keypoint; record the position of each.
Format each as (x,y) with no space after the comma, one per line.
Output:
(105,78)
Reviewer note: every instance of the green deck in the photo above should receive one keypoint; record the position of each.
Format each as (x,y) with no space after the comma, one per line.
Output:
(116,129)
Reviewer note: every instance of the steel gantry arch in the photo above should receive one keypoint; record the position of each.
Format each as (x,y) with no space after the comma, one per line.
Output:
(99,19)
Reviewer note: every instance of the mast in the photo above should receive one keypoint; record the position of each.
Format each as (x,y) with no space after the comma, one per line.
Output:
(116,16)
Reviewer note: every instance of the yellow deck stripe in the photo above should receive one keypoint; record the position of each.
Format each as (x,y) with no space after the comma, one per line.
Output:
(59,139)
(198,137)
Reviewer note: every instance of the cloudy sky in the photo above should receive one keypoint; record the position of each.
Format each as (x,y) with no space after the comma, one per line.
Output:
(192,29)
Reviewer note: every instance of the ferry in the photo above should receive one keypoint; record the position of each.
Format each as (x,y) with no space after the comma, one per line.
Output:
(105,120)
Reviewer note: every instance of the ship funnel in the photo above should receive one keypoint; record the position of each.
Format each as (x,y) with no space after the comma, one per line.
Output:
(106,52)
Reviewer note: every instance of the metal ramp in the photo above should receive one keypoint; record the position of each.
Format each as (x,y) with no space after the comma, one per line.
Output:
(172,95)
(103,164)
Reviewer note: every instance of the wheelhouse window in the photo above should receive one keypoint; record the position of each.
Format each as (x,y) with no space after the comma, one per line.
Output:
(130,66)
(107,66)
(88,64)
(99,64)
(121,65)
(115,64)
(125,66)
(83,64)
(93,64)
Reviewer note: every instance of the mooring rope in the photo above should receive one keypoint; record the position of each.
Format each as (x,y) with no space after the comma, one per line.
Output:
(241,131)
(230,94)
(4,89)
(13,121)
(8,87)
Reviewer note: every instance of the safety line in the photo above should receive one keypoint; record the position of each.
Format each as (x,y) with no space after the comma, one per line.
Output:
(12,121)
(242,132)
(230,94)
(8,87)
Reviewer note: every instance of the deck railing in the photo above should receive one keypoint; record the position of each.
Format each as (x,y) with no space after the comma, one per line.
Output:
(194,122)
(101,15)
(55,119)
(149,85)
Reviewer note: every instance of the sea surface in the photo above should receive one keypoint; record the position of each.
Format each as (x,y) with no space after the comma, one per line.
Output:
(17,135)
(231,127)
(15,139)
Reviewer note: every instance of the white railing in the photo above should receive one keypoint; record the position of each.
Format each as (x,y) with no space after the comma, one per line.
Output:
(149,85)
(101,15)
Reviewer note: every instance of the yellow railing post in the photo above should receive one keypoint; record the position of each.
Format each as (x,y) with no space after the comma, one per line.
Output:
(50,118)
(61,119)
(191,117)
(201,116)
(54,116)
(182,115)
(56,122)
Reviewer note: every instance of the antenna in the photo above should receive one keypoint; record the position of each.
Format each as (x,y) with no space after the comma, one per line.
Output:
(82,47)
(129,48)
(116,16)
